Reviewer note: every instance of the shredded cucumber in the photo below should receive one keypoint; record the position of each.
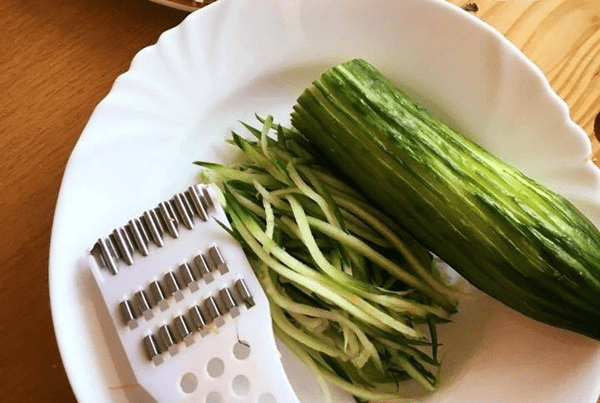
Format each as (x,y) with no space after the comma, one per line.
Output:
(351,294)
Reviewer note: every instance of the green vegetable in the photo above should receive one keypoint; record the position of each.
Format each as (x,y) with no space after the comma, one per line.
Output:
(354,296)
(470,7)
(511,237)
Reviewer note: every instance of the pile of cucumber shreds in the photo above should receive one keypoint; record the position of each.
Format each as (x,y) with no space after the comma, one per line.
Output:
(354,296)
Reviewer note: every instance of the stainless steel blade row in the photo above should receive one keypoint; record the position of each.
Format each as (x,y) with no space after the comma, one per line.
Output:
(158,292)
(197,319)
(166,219)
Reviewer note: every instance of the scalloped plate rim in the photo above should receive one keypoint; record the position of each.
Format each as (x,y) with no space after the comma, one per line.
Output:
(168,37)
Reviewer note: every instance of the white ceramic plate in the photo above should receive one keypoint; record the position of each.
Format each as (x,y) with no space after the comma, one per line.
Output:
(235,58)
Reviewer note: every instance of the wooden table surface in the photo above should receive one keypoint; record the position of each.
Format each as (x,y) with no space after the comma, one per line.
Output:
(58,59)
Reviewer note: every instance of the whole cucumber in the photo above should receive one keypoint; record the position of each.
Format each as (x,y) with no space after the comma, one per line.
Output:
(508,235)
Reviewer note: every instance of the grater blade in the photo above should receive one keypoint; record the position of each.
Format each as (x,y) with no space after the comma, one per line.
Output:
(189,311)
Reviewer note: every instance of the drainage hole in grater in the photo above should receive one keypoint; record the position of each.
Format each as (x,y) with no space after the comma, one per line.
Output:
(241,350)
(240,385)
(215,367)
(189,383)
(214,397)
(266,398)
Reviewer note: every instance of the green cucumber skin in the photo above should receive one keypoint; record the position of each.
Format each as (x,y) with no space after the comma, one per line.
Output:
(511,237)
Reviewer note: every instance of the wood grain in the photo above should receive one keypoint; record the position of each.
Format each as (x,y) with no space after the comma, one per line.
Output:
(59,58)
(562,37)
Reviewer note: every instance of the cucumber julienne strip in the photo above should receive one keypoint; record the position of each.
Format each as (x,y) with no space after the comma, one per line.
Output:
(344,281)
(378,295)
(332,213)
(327,374)
(321,286)
(277,297)
(306,190)
(376,257)
(347,283)
(234,174)
(300,351)
(270,218)
(350,222)
(263,135)
(402,248)
(309,340)
(358,307)
(326,260)
(305,222)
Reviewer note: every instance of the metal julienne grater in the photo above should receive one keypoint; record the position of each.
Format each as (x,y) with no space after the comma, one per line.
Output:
(188,309)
